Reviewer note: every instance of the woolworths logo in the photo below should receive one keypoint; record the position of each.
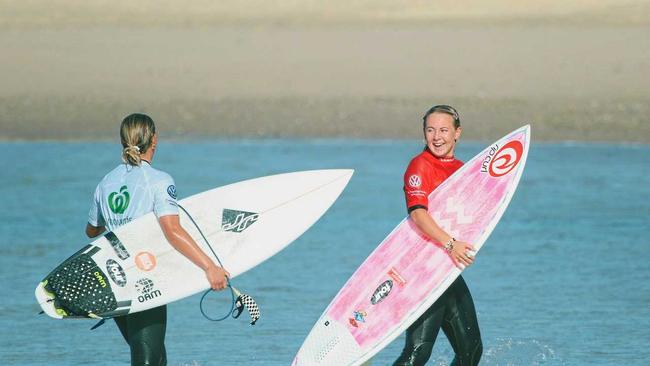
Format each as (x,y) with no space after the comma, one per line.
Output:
(119,201)
(237,221)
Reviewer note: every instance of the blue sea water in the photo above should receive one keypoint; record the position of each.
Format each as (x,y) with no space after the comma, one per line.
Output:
(563,280)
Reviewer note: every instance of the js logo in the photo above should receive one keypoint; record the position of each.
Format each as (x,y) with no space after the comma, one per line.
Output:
(237,221)
(119,201)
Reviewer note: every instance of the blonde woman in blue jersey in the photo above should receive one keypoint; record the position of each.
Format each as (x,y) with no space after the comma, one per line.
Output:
(129,191)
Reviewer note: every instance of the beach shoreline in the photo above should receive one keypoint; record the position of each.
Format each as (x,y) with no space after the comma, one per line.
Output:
(302,117)
(575,71)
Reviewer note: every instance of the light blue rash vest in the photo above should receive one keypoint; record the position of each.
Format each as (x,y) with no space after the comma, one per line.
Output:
(128,192)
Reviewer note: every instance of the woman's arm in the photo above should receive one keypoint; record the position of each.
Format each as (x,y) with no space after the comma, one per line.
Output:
(459,250)
(183,242)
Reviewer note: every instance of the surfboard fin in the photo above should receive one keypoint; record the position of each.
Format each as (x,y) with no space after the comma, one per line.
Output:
(99,324)
(245,301)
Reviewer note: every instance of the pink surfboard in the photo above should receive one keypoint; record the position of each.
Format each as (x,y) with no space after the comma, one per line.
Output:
(407,272)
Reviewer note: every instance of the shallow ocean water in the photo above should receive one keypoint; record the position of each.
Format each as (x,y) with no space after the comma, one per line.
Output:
(563,280)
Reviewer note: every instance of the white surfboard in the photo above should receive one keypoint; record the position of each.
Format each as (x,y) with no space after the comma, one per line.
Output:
(134,268)
(407,272)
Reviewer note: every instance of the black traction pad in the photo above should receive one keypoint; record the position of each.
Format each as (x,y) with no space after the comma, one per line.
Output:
(81,288)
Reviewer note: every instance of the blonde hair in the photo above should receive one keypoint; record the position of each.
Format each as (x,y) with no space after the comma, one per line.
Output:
(136,133)
(442,108)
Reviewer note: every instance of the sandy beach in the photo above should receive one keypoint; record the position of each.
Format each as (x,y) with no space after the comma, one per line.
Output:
(361,69)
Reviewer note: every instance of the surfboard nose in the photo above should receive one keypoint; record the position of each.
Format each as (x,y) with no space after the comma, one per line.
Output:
(344,174)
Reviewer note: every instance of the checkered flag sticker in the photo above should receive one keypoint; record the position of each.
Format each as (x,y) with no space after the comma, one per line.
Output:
(245,301)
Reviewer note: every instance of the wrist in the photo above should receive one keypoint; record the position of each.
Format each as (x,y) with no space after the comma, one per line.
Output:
(449,245)
(209,265)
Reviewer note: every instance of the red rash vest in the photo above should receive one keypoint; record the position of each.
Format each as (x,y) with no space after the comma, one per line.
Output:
(424,173)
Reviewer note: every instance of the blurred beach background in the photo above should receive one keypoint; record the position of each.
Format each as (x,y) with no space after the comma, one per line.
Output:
(576,70)
(242,89)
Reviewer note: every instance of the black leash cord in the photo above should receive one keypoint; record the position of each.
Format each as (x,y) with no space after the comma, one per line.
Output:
(232,291)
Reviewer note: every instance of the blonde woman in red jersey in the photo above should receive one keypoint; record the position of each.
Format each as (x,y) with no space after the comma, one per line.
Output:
(454,311)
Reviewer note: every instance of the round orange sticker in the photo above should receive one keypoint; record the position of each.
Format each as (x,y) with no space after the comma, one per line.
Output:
(145,261)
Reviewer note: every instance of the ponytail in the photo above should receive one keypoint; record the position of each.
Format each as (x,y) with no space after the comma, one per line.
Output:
(136,132)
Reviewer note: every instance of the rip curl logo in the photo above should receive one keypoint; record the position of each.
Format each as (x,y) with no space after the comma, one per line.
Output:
(237,221)
(415,181)
(506,159)
(119,201)
(171,191)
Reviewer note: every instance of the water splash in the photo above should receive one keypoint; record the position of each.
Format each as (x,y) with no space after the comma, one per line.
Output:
(509,351)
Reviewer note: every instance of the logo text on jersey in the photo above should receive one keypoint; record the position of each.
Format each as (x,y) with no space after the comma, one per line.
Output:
(415,181)
(119,201)
(171,191)
(237,221)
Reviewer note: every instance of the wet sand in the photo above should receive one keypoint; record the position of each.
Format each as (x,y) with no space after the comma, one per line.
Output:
(572,73)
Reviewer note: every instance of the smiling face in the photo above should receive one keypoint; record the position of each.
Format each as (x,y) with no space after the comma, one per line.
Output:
(440,134)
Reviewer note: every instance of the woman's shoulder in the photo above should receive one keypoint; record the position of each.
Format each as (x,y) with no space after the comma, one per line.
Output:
(423,159)
(159,175)
(419,158)
(420,164)
(118,170)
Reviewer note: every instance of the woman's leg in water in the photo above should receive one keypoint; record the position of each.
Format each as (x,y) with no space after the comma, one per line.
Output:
(454,312)
(461,326)
(121,325)
(421,335)
(145,334)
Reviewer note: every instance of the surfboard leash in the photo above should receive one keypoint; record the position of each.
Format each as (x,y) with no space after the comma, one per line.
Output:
(239,300)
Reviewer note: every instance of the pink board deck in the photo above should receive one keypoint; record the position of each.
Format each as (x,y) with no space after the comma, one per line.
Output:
(407,272)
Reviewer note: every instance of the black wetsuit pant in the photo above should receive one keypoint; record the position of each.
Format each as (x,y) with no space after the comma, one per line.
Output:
(145,334)
(453,312)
